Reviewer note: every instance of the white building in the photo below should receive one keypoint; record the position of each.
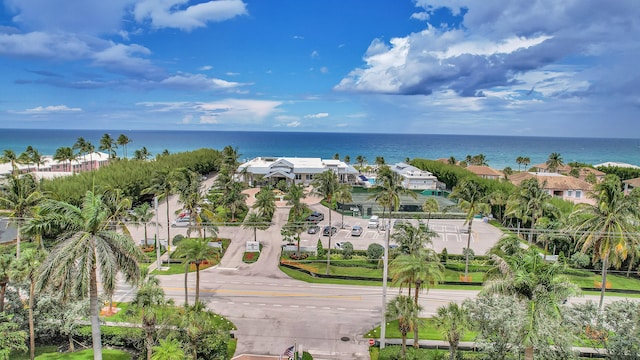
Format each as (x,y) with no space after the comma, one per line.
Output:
(414,178)
(293,170)
(51,168)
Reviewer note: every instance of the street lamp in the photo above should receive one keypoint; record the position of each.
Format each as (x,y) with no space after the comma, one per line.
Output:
(155,207)
(385,272)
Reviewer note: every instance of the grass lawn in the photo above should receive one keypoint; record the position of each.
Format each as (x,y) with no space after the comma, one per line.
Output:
(39,351)
(427,331)
(179,269)
(107,354)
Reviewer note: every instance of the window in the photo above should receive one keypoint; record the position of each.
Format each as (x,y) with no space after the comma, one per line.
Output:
(298,176)
(569,193)
(309,177)
(578,194)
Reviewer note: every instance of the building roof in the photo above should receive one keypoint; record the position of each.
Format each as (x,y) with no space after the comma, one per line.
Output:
(633,182)
(265,164)
(544,166)
(484,171)
(554,181)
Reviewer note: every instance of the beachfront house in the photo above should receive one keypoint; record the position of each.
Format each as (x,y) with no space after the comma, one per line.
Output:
(562,186)
(485,172)
(630,184)
(51,168)
(414,178)
(292,170)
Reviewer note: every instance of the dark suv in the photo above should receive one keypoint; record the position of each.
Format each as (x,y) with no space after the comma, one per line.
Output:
(315,217)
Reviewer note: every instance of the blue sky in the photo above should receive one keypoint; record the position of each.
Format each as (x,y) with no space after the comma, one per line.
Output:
(518,67)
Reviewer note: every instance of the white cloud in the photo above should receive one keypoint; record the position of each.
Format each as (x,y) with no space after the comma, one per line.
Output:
(48,110)
(324,70)
(197,82)
(314,54)
(316,116)
(294,124)
(174,13)
(205,68)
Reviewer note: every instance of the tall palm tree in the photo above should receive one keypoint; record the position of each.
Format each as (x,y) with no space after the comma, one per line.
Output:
(452,160)
(412,239)
(453,321)
(19,195)
(554,162)
(265,203)
(109,145)
(326,185)
(143,214)
(65,153)
(10,156)
(540,285)
(161,187)
(429,206)
(526,161)
(235,199)
(498,199)
(37,159)
(196,252)
(254,221)
(609,228)
(26,269)
(529,203)
(294,198)
(471,198)
(85,147)
(405,310)
(88,248)
(380,160)
(123,140)
(151,303)
(343,196)
(25,157)
(422,270)
(361,160)
(519,161)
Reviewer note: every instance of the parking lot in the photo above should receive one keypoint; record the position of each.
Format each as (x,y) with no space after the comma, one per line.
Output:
(451,234)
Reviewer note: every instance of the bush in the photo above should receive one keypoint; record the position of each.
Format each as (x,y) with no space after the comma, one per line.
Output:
(347,250)
(580,260)
(177,239)
(444,256)
(320,248)
(374,252)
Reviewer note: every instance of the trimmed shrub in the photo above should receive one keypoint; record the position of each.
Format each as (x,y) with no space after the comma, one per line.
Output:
(374,252)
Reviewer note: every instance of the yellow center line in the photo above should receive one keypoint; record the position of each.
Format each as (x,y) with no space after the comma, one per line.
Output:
(268,293)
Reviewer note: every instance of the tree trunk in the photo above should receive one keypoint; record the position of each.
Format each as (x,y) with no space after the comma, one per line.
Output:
(72,347)
(466,257)
(32,333)
(186,289)
(329,247)
(149,343)
(95,311)
(3,290)
(604,281)
(168,231)
(255,234)
(416,337)
(404,346)
(197,282)
(528,353)
(18,241)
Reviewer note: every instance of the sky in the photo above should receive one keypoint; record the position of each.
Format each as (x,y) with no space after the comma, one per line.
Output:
(490,67)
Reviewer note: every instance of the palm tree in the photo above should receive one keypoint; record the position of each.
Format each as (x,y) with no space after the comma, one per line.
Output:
(294,198)
(25,157)
(230,157)
(65,153)
(88,248)
(347,159)
(429,206)
(168,349)
(608,228)
(143,214)
(526,161)
(254,221)
(380,160)
(405,310)
(470,197)
(142,154)
(85,147)
(343,196)
(161,187)
(37,159)
(452,160)
(109,145)
(421,270)
(554,162)
(123,140)
(10,156)
(19,195)
(529,202)
(6,262)
(326,185)
(150,301)
(361,160)
(453,321)
(412,239)
(540,285)
(265,203)
(498,199)
(519,161)
(26,269)
(195,251)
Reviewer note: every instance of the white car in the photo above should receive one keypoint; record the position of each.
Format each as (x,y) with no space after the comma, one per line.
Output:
(373,222)
(181,221)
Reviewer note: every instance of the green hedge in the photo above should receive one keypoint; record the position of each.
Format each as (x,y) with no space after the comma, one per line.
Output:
(116,336)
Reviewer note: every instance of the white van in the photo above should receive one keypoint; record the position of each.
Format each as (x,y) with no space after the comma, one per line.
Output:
(181,221)
(373,222)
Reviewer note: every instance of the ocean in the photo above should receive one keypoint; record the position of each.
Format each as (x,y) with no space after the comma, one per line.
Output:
(500,151)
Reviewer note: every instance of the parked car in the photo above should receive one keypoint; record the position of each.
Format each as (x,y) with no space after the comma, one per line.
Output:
(313,229)
(181,221)
(373,222)
(338,245)
(326,230)
(356,230)
(315,217)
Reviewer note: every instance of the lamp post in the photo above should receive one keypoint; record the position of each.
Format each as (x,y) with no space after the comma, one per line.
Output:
(385,272)
(155,207)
